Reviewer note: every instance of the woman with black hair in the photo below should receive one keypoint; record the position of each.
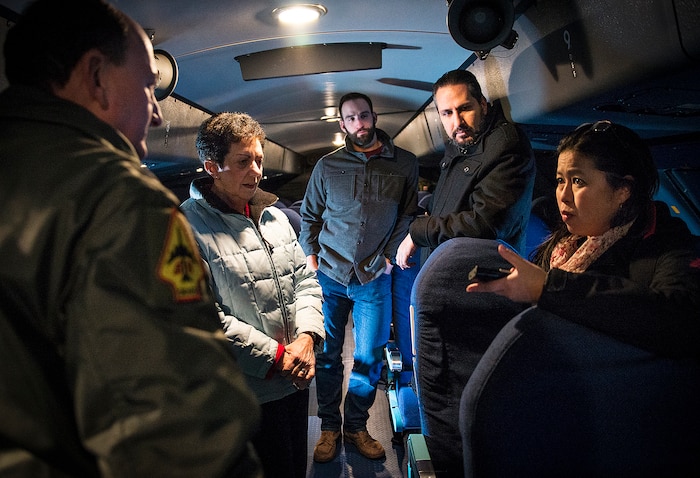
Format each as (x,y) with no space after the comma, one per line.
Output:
(619,263)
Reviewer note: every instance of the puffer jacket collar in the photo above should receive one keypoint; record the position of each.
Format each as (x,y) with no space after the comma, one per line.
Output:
(200,189)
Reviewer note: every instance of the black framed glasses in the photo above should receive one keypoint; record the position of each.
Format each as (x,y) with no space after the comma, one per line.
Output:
(603,126)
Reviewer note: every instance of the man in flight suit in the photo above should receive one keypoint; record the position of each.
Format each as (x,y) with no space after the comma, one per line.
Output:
(112,358)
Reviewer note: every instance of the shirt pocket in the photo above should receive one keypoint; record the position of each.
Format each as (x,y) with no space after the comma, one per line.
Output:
(387,188)
(341,188)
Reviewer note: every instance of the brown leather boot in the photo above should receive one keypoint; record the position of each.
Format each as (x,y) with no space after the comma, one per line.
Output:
(327,444)
(366,445)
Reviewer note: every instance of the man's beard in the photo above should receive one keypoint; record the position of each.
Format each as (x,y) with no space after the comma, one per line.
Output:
(363,142)
(474,136)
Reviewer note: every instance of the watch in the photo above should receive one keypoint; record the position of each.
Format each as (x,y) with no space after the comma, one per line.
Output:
(318,340)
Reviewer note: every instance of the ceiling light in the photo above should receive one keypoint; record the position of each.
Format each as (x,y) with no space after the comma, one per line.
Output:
(338,139)
(300,13)
(330,114)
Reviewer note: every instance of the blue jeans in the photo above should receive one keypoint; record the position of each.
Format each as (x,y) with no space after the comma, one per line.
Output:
(371,313)
(401,286)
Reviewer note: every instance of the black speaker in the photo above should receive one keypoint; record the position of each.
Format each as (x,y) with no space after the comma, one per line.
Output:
(480,25)
(167,74)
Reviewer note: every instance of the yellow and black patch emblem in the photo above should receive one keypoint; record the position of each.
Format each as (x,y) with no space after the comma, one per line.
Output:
(180,264)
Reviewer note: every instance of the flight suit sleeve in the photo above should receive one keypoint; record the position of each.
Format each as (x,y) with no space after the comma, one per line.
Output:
(156,390)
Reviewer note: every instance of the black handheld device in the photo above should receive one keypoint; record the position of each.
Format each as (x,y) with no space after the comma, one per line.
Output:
(487,273)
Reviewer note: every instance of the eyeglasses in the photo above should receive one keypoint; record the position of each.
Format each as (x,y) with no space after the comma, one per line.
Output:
(603,126)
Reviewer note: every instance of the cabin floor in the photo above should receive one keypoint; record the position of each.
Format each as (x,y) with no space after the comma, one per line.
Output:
(348,463)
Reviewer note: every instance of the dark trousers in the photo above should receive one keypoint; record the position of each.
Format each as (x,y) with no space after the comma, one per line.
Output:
(281,442)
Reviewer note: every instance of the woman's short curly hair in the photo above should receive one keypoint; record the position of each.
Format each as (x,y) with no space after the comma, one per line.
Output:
(218,133)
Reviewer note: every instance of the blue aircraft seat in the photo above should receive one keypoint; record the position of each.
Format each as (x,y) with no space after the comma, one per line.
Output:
(448,347)
(536,395)
(424,198)
(399,356)
(551,398)
(294,218)
(438,300)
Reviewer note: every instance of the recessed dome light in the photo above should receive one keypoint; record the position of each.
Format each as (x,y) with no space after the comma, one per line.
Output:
(338,139)
(300,13)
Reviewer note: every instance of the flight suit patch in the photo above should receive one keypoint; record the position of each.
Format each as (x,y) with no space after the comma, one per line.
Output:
(180,265)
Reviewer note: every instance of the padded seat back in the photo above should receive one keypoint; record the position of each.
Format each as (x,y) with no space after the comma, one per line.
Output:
(294,219)
(551,398)
(449,343)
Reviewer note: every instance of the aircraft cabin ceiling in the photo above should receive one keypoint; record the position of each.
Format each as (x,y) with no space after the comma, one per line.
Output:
(205,37)
(569,52)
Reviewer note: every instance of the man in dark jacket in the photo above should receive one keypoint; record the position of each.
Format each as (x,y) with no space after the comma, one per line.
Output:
(112,357)
(484,191)
(486,176)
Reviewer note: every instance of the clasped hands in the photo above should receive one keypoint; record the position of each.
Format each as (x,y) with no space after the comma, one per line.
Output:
(299,362)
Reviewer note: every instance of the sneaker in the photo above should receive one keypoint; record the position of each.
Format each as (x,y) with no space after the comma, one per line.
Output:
(327,444)
(366,445)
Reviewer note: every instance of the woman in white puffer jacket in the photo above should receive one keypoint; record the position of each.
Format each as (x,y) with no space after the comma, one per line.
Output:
(270,302)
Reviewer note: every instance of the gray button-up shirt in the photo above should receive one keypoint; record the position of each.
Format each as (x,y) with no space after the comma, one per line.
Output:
(356,211)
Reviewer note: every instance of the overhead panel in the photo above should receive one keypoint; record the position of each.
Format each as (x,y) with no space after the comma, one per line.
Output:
(311,59)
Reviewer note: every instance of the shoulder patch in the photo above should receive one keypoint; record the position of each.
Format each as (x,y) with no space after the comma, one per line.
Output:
(180,265)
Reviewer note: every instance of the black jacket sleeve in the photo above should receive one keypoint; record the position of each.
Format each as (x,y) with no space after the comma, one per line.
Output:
(644,291)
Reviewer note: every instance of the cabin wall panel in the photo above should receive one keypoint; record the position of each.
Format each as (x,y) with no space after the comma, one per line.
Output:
(571,51)
(174,140)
